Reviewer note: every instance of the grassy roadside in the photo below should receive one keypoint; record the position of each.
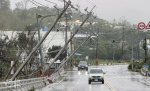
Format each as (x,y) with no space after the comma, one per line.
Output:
(92,62)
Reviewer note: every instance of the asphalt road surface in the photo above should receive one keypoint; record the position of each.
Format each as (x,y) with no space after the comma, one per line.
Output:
(117,78)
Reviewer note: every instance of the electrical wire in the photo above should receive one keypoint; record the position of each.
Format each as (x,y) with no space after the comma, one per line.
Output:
(90,2)
(31,73)
(39,3)
(38,6)
(51,2)
(51,40)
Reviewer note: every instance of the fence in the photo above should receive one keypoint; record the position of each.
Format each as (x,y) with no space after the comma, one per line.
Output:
(27,84)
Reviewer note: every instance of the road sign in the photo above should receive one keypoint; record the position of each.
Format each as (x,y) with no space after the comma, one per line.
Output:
(148,26)
(141,25)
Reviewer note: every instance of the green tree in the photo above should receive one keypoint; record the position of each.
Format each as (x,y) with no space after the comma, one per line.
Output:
(52,53)
(4,5)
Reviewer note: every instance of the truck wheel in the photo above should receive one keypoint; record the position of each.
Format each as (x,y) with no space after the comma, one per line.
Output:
(89,81)
(102,81)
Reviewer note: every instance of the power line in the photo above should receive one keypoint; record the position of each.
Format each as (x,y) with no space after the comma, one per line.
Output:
(39,3)
(39,6)
(90,2)
(51,40)
(51,2)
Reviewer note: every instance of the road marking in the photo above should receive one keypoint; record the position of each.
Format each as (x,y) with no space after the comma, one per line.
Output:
(111,87)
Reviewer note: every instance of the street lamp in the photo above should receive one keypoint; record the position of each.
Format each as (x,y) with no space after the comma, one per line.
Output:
(38,25)
(97,36)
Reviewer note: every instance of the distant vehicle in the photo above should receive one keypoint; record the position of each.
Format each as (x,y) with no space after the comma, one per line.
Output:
(96,75)
(83,65)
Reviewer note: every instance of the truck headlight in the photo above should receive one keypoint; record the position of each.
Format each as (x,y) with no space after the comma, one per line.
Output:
(90,76)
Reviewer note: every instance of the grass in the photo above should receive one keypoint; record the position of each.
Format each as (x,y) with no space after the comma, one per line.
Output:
(60,78)
(65,79)
(92,62)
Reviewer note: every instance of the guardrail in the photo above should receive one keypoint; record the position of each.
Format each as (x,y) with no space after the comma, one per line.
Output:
(113,64)
(29,83)
(10,85)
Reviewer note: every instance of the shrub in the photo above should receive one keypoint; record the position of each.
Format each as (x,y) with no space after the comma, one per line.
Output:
(130,66)
(136,65)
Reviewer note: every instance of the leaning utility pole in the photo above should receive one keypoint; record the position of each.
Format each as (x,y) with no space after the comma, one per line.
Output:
(71,55)
(122,44)
(40,42)
(13,65)
(67,42)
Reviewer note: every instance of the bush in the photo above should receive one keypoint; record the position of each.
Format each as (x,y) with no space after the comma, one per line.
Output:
(130,66)
(77,60)
(136,65)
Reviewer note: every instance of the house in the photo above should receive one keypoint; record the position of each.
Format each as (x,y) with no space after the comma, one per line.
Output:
(118,27)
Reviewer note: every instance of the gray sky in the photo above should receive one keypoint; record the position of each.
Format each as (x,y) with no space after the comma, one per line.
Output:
(134,11)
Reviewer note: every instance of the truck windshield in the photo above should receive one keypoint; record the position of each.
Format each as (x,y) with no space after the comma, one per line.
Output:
(96,71)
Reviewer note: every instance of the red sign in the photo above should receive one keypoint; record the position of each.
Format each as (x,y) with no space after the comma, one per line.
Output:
(142,26)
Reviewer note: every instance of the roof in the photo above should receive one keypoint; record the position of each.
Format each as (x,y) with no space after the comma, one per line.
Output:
(78,54)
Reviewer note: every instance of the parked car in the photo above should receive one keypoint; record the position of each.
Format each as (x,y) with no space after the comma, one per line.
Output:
(83,65)
(96,75)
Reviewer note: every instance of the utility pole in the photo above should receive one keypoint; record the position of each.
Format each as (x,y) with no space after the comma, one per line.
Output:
(113,41)
(13,65)
(122,44)
(71,55)
(132,51)
(72,49)
(39,43)
(97,48)
(113,53)
(66,15)
(138,44)
(145,50)
(89,14)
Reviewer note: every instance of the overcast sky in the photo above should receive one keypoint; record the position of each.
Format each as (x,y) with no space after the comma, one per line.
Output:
(134,11)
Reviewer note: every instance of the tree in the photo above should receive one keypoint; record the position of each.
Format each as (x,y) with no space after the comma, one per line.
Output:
(52,53)
(4,5)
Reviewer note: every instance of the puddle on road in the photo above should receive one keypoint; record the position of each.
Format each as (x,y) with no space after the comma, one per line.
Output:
(96,83)
(82,72)
(134,79)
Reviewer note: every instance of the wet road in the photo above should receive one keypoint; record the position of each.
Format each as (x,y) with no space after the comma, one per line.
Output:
(117,78)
